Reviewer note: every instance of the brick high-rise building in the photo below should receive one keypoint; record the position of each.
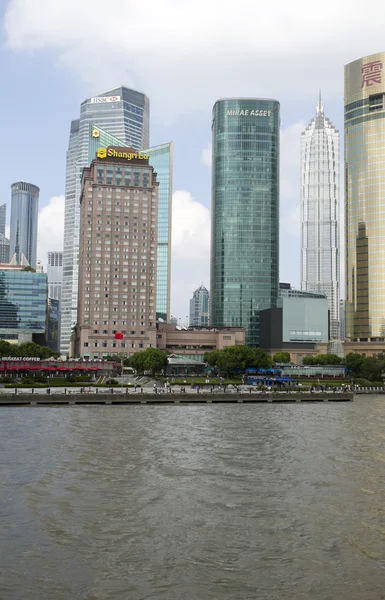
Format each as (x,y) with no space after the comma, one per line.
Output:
(118,255)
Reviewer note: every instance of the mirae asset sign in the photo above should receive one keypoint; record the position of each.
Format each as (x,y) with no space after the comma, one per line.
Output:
(249,113)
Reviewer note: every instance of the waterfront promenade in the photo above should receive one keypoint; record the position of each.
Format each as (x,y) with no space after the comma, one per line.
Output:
(122,396)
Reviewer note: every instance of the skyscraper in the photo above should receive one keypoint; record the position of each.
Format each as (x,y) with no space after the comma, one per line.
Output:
(24,217)
(161,158)
(342,320)
(3,218)
(123,113)
(364,199)
(55,275)
(117,258)
(245,212)
(4,249)
(320,207)
(199,307)
(4,242)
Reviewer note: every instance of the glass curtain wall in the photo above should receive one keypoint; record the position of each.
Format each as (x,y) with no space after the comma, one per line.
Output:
(245,212)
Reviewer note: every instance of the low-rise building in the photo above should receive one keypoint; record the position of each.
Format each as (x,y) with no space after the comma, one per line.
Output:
(23,304)
(194,342)
(299,325)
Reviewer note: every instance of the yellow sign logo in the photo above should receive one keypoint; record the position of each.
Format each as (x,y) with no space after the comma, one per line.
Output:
(95,133)
(111,152)
(101,152)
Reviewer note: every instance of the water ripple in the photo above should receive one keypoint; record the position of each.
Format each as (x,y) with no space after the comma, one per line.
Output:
(193,502)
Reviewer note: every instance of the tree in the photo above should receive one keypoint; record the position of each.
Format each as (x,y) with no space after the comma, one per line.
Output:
(322,359)
(151,359)
(281,357)
(354,362)
(238,358)
(331,359)
(5,348)
(373,367)
(26,350)
(30,349)
(235,358)
(262,360)
(211,357)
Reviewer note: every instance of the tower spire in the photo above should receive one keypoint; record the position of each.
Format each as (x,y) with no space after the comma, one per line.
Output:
(320,106)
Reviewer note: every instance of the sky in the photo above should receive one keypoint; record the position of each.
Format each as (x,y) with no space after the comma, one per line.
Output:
(184,56)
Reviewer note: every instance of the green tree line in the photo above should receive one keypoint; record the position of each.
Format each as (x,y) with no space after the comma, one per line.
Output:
(232,358)
(26,350)
(357,365)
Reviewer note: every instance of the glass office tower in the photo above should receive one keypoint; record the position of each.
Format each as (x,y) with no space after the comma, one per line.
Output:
(23,304)
(320,212)
(123,113)
(199,307)
(245,212)
(24,217)
(364,101)
(161,158)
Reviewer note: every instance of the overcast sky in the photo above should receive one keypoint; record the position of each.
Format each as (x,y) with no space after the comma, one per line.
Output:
(184,55)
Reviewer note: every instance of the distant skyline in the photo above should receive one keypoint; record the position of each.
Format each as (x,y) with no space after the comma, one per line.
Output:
(54,59)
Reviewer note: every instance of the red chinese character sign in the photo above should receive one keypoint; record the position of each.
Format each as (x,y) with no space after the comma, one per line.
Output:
(118,335)
(371,73)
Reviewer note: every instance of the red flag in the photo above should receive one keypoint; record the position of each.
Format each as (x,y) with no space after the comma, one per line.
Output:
(119,335)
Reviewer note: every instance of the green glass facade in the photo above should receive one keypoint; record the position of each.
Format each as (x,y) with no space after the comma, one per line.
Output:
(245,212)
(23,302)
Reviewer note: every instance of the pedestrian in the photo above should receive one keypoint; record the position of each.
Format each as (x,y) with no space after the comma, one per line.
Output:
(134,387)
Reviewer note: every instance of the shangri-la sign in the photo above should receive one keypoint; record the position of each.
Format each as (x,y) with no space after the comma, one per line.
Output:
(112,152)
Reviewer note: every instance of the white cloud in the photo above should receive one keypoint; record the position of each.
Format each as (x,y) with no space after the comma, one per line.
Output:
(206,155)
(186,55)
(290,178)
(50,228)
(190,251)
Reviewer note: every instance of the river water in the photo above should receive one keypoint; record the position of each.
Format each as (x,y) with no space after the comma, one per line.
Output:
(280,502)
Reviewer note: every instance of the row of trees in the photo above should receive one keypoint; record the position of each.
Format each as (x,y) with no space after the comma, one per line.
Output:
(366,367)
(357,365)
(26,350)
(234,358)
(323,359)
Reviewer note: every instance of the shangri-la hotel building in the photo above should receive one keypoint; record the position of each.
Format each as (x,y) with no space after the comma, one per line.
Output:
(118,255)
